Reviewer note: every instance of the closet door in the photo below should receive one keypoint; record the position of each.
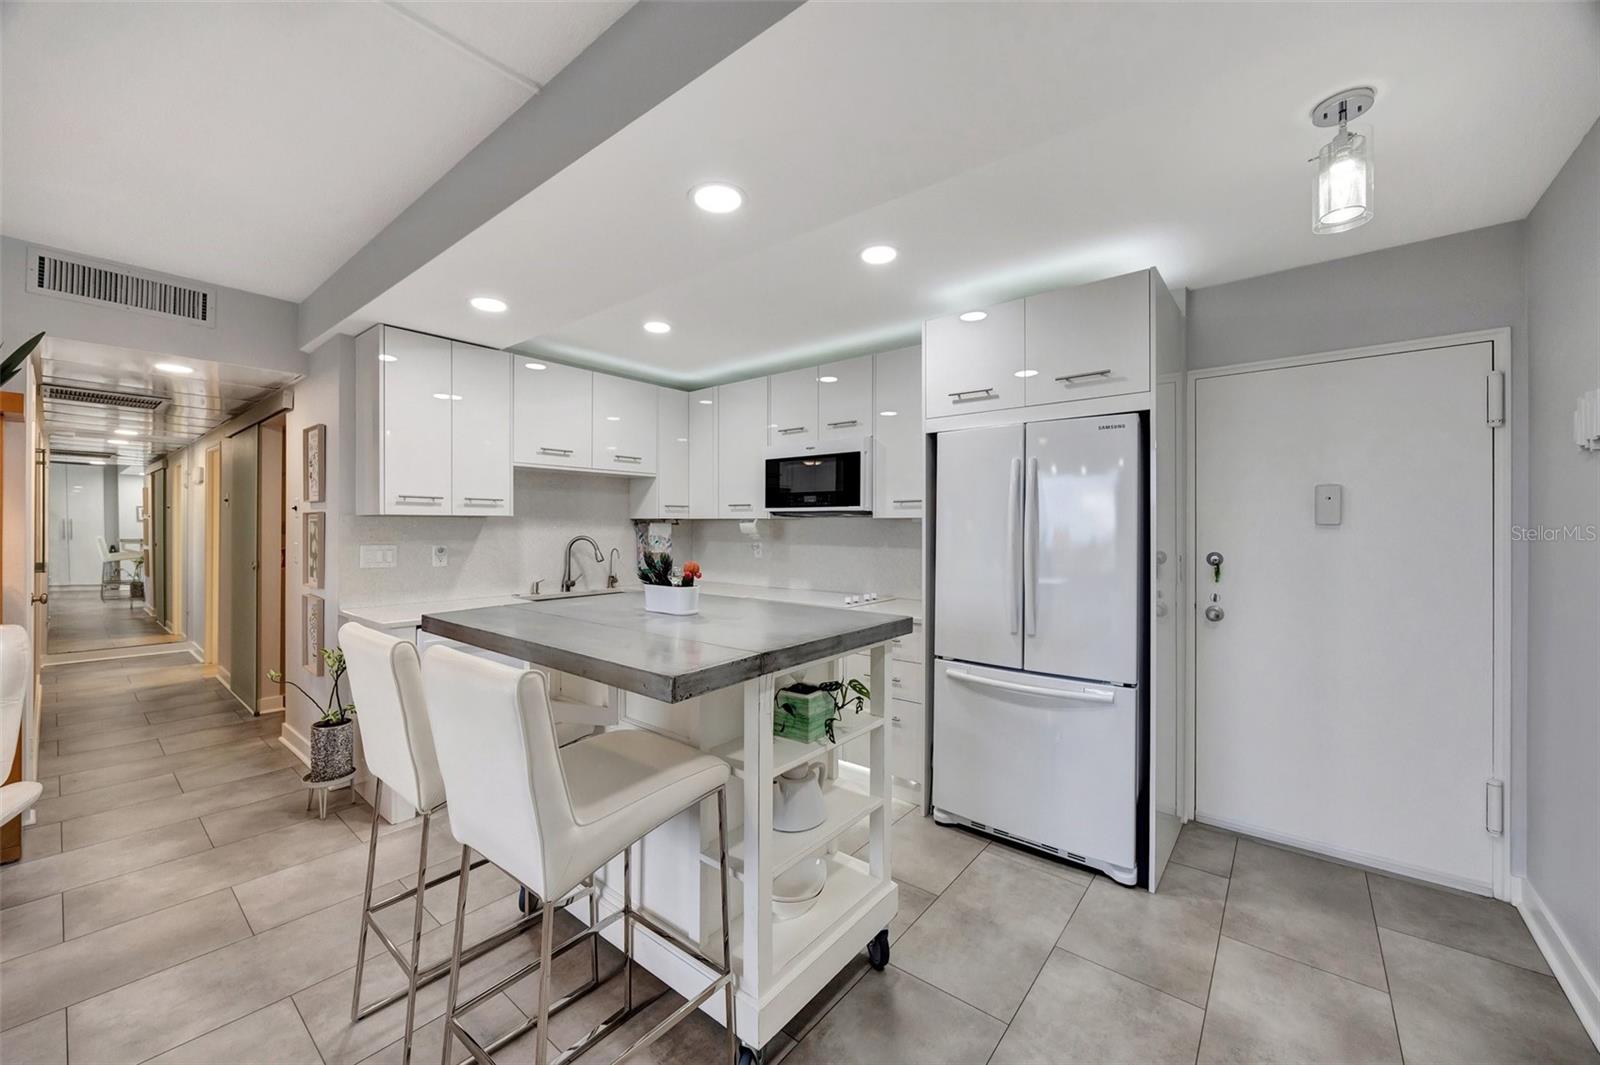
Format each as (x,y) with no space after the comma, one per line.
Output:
(241,487)
(158,545)
(86,519)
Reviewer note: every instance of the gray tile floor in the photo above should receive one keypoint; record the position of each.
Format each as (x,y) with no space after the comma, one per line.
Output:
(175,904)
(80,620)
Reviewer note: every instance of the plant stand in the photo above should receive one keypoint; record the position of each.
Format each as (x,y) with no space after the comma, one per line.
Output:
(317,791)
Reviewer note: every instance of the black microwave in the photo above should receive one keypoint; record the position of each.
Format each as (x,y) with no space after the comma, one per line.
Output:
(820,478)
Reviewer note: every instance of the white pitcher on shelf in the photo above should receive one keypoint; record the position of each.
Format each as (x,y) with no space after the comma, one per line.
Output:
(797,804)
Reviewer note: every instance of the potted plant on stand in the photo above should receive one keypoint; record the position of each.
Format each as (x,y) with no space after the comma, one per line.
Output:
(136,584)
(333,735)
(666,592)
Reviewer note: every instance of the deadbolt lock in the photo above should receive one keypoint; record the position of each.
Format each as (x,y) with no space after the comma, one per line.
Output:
(1214,560)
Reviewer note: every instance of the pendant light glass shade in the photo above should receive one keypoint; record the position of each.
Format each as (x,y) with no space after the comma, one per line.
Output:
(1344,183)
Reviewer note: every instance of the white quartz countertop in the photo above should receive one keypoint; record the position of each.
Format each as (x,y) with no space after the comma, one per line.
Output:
(409,614)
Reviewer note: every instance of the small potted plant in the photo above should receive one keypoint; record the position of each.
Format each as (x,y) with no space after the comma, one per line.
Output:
(333,735)
(666,592)
(136,584)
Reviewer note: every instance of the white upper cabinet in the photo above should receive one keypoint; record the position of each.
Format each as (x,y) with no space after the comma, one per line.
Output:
(403,422)
(480,430)
(666,495)
(844,398)
(703,454)
(897,443)
(554,414)
(1089,341)
(741,445)
(974,366)
(793,407)
(624,425)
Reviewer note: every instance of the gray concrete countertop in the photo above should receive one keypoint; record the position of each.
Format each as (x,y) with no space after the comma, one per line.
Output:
(614,640)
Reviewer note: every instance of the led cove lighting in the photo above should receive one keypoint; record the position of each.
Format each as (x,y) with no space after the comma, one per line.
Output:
(173,367)
(974,316)
(488,304)
(878,255)
(657,327)
(716,197)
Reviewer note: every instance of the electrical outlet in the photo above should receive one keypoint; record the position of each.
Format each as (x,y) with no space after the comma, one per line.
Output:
(755,548)
(377,556)
(441,555)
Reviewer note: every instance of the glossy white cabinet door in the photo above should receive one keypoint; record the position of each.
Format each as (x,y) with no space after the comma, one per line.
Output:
(793,407)
(1089,341)
(741,446)
(554,414)
(974,366)
(844,398)
(907,740)
(480,432)
(624,425)
(666,495)
(415,441)
(703,454)
(898,460)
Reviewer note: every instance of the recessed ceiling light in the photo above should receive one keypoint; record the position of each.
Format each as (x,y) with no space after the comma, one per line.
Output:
(1026,373)
(887,413)
(657,326)
(488,304)
(533,366)
(878,254)
(613,417)
(705,402)
(172,367)
(388,358)
(828,380)
(126,432)
(716,197)
(974,316)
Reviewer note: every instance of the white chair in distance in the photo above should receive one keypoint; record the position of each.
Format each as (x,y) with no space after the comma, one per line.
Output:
(552,818)
(16,675)
(111,564)
(397,747)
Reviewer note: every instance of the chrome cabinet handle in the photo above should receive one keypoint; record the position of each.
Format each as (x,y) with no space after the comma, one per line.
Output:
(739,506)
(676,506)
(626,458)
(563,451)
(1074,377)
(429,499)
(902,502)
(483,499)
(843,425)
(980,393)
(792,429)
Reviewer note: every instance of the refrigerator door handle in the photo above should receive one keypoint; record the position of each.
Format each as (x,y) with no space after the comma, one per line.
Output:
(1014,583)
(1030,549)
(1084,695)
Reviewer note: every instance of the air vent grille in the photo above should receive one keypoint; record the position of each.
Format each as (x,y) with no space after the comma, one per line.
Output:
(103,283)
(100,398)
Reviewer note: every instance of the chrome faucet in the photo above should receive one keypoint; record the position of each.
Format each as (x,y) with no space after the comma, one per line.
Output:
(611,567)
(567,579)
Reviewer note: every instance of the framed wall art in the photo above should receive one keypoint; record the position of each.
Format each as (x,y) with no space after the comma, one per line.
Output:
(312,546)
(311,633)
(315,452)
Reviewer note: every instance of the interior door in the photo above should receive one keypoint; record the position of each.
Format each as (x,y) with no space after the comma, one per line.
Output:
(240,502)
(1083,548)
(156,586)
(1344,695)
(978,564)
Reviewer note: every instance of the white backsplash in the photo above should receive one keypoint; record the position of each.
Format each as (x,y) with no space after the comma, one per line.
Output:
(854,554)
(496,556)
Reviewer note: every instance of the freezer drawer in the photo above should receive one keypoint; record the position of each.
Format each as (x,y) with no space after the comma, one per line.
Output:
(1049,760)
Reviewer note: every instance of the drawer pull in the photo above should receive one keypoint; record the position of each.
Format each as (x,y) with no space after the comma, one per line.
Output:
(483,499)
(904,502)
(426,499)
(677,506)
(626,458)
(895,681)
(792,429)
(972,393)
(1073,378)
(843,425)
(562,451)
(895,719)
(739,506)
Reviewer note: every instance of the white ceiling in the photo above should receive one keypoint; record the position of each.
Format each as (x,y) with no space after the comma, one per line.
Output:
(255,145)
(1006,148)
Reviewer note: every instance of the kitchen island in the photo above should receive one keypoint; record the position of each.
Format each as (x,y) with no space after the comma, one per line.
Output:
(710,679)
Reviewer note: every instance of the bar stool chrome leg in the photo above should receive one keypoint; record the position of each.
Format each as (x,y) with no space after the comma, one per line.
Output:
(727,949)
(366,903)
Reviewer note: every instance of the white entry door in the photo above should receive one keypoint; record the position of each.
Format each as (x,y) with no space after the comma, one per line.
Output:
(1344,701)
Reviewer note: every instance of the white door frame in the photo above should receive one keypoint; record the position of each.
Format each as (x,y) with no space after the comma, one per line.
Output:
(1502,622)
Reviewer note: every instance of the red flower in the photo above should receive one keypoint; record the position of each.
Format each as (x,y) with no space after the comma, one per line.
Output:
(691,569)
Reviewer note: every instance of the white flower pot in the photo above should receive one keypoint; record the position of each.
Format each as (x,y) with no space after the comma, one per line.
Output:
(665,599)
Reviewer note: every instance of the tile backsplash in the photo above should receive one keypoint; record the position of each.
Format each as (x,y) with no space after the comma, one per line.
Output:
(834,554)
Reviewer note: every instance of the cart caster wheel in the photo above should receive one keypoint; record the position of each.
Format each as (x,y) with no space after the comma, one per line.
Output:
(749,1057)
(527,901)
(878,950)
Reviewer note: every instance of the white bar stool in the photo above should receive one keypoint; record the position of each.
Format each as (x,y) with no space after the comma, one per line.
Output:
(552,819)
(16,677)
(397,746)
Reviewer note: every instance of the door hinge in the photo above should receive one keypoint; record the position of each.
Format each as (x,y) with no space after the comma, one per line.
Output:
(1496,404)
(1494,807)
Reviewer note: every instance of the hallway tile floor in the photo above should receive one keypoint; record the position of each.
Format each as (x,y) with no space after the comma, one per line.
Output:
(176,904)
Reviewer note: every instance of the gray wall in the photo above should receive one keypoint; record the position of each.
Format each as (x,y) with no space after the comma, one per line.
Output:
(1563,736)
(251,330)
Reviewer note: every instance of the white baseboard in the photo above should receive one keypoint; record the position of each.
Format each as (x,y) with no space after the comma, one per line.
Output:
(270,704)
(1574,975)
(295,743)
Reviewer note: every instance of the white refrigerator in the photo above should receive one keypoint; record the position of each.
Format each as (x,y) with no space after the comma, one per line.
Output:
(1038,585)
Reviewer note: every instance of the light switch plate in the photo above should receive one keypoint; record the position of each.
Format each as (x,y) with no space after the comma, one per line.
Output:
(377,556)
(1330,504)
(441,555)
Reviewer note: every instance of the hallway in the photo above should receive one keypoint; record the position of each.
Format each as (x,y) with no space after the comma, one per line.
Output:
(81,621)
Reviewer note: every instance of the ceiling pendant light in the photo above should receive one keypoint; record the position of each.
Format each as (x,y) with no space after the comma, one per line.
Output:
(1342,199)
